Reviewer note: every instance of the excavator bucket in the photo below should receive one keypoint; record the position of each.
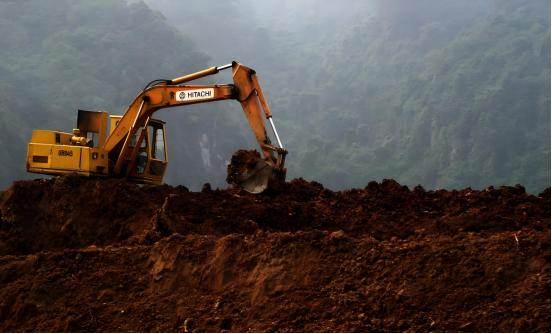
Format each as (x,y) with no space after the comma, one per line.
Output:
(257,179)
(247,170)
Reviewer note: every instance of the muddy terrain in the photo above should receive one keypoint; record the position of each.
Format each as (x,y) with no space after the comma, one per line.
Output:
(107,255)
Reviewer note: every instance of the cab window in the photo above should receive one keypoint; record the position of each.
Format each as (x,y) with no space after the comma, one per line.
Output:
(157,137)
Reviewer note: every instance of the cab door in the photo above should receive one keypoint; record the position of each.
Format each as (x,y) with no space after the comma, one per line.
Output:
(151,160)
(157,163)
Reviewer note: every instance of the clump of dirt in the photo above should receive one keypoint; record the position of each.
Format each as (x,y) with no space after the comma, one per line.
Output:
(241,163)
(106,255)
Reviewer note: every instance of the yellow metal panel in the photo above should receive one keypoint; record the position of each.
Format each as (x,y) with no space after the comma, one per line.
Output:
(66,157)
(98,163)
(65,138)
(113,121)
(61,159)
(43,136)
(84,161)
(35,154)
(50,137)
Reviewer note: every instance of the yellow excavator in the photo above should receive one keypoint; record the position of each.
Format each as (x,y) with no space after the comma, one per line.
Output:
(134,145)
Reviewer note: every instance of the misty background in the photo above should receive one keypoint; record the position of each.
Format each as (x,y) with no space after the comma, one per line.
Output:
(446,94)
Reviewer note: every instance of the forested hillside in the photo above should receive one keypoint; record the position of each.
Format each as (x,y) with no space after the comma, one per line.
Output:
(453,94)
(474,110)
(61,55)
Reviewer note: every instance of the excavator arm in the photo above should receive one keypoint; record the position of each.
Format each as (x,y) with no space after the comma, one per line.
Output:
(123,150)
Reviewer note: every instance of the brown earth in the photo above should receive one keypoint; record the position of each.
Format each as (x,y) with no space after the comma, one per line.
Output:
(241,163)
(93,255)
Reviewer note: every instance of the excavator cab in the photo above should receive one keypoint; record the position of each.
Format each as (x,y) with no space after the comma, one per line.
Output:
(151,160)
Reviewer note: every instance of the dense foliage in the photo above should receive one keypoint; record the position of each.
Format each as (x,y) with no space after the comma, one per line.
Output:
(439,93)
(453,102)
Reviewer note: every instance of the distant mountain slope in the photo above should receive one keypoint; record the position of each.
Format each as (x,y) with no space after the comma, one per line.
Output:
(440,93)
(446,106)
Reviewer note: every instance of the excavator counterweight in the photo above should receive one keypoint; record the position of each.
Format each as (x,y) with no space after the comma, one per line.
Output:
(134,146)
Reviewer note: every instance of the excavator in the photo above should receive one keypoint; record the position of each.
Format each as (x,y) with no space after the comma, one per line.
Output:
(134,145)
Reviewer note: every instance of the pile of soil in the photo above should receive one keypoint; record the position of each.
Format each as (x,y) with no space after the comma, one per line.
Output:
(241,163)
(107,255)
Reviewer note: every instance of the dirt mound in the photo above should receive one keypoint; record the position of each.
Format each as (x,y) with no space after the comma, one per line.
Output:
(241,162)
(107,255)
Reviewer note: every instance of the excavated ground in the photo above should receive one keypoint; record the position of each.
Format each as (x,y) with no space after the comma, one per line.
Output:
(97,255)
